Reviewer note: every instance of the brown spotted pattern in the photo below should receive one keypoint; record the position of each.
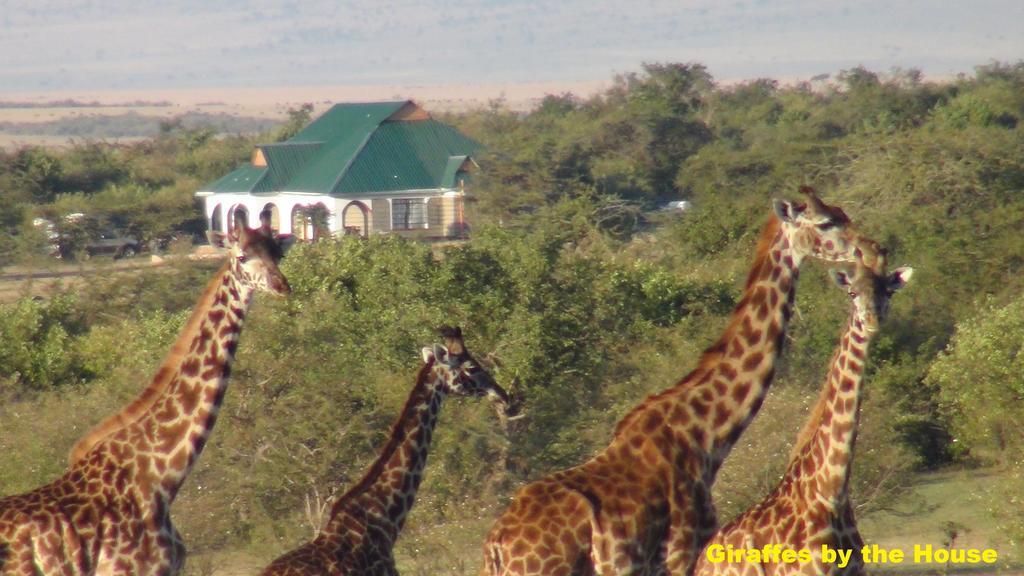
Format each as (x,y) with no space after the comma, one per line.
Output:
(643,504)
(365,522)
(810,507)
(110,512)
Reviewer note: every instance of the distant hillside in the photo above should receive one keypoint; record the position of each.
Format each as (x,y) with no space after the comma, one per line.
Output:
(73,103)
(133,124)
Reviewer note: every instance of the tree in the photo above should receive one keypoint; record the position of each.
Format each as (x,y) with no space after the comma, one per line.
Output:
(298,118)
(980,379)
(319,217)
(38,171)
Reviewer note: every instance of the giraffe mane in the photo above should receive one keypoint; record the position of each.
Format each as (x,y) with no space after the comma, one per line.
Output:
(394,441)
(764,243)
(714,353)
(165,374)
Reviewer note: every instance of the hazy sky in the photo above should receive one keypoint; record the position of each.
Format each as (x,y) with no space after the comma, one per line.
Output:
(147,44)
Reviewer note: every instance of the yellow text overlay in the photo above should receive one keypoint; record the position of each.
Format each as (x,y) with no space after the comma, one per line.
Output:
(872,554)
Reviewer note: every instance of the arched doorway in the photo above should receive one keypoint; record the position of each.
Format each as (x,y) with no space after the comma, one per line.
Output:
(311,222)
(216,221)
(271,216)
(354,219)
(320,220)
(299,222)
(239,215)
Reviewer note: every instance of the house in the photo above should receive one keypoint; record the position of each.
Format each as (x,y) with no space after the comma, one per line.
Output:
(369,168)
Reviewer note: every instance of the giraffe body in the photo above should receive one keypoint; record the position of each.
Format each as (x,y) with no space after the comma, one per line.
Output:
(810,507)
(110,512)
(643,505)
(359,536)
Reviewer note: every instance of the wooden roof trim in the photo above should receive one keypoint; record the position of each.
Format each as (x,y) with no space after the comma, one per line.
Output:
(410,112)
(258,158)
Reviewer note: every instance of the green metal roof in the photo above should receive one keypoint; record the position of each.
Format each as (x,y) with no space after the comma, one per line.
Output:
(404,156)
(283,161)
(242,179)
(342,118)
(358,149)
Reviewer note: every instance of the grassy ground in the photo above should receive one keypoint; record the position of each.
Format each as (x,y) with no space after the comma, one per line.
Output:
(937,499)
(939,504)
(454,548)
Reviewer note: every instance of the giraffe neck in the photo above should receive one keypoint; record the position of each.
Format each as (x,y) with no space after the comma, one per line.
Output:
(165,374)
(386,493)
(710,407)
(167,426)
(824,450)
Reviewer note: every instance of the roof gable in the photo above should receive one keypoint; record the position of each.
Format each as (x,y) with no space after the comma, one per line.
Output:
(455,165)
(284,160)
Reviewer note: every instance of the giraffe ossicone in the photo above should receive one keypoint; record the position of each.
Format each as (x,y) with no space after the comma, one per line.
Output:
(810,506)
(110,511)
(643,504)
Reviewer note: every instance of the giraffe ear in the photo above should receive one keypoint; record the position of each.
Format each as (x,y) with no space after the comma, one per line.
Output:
(841,277)
(899,277)
(787,211)
(428,354)
(441,353)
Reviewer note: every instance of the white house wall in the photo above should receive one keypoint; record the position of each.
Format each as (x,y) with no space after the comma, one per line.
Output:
(287,202)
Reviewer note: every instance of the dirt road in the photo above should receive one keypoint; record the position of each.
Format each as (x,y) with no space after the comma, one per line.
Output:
(41,281)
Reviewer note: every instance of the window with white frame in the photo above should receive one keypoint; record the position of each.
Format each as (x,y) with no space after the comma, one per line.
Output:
(408,213)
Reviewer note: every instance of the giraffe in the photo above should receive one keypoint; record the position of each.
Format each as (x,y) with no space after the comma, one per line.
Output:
(110,511)
(643,504)
(365,522)
(810,507)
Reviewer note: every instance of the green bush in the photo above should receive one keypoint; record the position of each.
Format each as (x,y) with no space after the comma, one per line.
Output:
(981,382)
(37,345)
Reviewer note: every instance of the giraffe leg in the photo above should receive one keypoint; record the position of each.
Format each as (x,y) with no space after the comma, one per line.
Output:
(601,546)
(679,550)
(495,560)
(177,550)
(750,544)
(616,549)
(20,555)
(692,523)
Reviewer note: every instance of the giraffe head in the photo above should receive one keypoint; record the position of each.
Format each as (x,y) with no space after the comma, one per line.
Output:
(871,292)
(822,231)
(455,370)
(254,255)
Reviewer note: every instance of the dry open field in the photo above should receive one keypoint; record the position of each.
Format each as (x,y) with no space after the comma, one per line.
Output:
(269,102)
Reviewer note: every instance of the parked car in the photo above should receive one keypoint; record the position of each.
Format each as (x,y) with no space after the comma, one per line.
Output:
(111,241)
(52,237)
(677,206)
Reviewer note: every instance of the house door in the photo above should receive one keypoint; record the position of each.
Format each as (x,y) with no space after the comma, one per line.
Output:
(354,219)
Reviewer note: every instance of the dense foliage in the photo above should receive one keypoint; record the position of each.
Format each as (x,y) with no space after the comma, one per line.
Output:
(144,189)
(576,290)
